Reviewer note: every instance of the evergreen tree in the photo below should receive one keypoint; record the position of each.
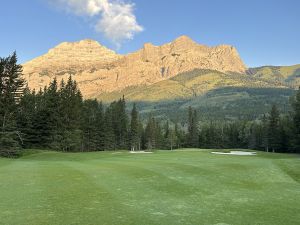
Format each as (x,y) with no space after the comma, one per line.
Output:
(11,89)
(25,117)
(273,129)
(52,107)
(265,133)
(179,136)
(296,122)
(109,135)
(134,130)
(100,128)
(232,131)
(256,136)
(171,138)
(158,135)
(192,136)
(283,141)
(150,133)
(120,123)
(71,109)
(89,125)
(123,125)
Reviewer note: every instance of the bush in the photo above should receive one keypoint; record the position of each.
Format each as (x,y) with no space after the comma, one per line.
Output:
(9,145)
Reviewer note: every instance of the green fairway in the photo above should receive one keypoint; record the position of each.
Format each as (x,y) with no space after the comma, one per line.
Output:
(179,187)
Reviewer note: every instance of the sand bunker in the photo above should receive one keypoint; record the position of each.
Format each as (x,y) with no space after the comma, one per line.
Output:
(235,153)
(140,152)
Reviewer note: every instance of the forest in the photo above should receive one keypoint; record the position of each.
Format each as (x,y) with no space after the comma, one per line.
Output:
(59,118)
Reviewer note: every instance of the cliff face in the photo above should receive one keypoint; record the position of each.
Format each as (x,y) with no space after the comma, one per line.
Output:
(100,70)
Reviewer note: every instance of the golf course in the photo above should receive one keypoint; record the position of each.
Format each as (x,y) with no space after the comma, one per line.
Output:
(164,187)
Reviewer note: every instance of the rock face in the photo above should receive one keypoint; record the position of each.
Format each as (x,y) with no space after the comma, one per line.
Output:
(78,55)
(100,70)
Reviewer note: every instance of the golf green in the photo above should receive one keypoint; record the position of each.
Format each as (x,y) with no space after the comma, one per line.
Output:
(165,187)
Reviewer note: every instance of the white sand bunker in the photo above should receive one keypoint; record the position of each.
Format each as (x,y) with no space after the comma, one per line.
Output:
(140,152)
(235,153)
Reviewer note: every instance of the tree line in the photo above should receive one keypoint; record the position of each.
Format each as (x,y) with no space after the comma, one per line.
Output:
(57,117)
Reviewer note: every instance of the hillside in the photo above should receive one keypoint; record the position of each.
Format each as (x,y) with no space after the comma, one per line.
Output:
(190,85)
(288,74)
(215,94)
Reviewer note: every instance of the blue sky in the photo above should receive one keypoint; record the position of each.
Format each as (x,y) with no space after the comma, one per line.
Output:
(265,32)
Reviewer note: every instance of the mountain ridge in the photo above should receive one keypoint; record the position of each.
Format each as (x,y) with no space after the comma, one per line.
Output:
(101,70)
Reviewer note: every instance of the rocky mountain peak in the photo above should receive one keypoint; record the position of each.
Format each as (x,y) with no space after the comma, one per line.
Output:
(183,43)
(82,54)
(98,69)
(184,39)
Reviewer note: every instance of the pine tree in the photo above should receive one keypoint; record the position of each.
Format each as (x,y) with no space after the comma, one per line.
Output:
(195,134)
(273,129)
(123,125)
(179,136)
(71,109)
(120,123)
(25,116)
(89,125)
(265,133)
(141,135)
(11,89)
(54,120)
(100,127)
(283,142)
(134,130)
(109,135)
(232,135)
(192,136)
(151,133)
(296,122)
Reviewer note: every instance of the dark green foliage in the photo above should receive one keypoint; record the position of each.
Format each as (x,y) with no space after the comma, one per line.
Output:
(11,84)
(71,110)
(179,136)
(192,135)
(296,122)
(135,135)
(150,133)
(109,135)
(100,127)
(230,103)
(11,88)
(120,123)
(25,118)
(171,137)
(51,118)
(92,122)
(9,144)
(58,118)
(273,129)
(264,134)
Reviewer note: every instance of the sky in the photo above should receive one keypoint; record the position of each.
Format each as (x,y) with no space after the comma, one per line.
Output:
(265,32)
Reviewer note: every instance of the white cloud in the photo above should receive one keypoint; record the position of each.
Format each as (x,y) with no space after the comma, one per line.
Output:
(114,18)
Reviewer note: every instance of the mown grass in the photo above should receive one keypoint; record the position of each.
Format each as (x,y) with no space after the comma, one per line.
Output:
(179,187)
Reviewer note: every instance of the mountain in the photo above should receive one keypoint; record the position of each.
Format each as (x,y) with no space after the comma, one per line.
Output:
(167,79)
(99,70)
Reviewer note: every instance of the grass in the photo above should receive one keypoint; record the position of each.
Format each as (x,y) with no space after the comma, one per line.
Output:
(179,187)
